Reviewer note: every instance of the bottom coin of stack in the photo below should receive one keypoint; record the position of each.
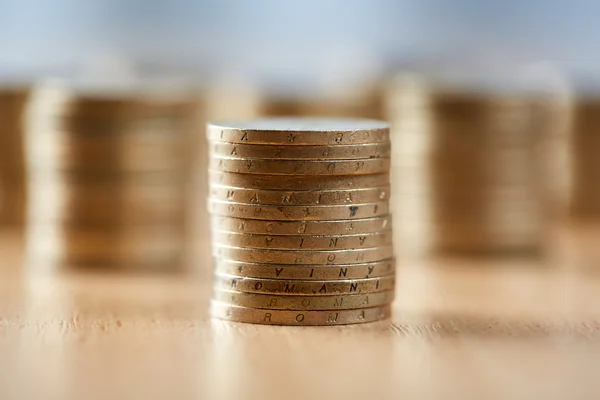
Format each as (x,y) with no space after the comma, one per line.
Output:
(300,221)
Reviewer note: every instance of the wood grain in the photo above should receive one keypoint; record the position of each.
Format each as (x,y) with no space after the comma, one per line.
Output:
(464,329)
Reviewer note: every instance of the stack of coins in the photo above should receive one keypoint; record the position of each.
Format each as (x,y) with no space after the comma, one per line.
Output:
(12,166)
(108,177)
(467,171)
(584,147)
(300,221)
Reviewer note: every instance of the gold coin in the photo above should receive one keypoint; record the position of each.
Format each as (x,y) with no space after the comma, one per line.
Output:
(347,152)
(87,246)
(305,272)
(300,288)
(278,182)
(111,128)
(294,167)
(298,213)
(301,198)
(89,205)
(280,317)
(300,131)
(302,242)
(65,100)
(314,303)
(340,227)
(107,177)
(354,256)
(127,152)
(155,261)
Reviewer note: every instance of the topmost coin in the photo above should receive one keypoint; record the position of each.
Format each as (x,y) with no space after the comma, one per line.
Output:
(300,131)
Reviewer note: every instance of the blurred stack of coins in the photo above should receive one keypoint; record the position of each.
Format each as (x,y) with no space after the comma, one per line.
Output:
(230,98)
(12,165)
(359,100)
(108,176)
(551,118)
(551,98)
(467,171)
(585,147)
(300,221)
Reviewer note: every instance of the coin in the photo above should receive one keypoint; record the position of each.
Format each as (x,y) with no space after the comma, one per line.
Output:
(155,261)
(299,288)
(355,256)
(305,272)
(286,302)
(584,196)
(126,152)
(110,127)
(302,242)
(88,245)
(279,317)
(339,227)
(278,182)
(99,204)
(298,213)
(293,167)
(300,131)
(107,177)
(344,152)
(301,198)
(64,99)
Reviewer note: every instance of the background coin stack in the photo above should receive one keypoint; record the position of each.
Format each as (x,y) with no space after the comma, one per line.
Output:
(300,221)
(12,166)
(108,176)
(585,147)
(467,171)
(230,98)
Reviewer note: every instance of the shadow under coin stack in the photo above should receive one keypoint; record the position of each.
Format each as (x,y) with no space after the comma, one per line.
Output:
(300,221)
(108,176)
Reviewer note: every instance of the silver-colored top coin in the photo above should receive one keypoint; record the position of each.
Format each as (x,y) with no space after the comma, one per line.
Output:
(300,131)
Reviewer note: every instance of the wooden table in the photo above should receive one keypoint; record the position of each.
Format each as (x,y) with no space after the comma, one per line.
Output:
(462,329)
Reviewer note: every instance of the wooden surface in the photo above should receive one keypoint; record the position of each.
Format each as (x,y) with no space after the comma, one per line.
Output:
(462,329)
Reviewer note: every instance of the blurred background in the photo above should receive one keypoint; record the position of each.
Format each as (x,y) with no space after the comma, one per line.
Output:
(103,105)
(296,47)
